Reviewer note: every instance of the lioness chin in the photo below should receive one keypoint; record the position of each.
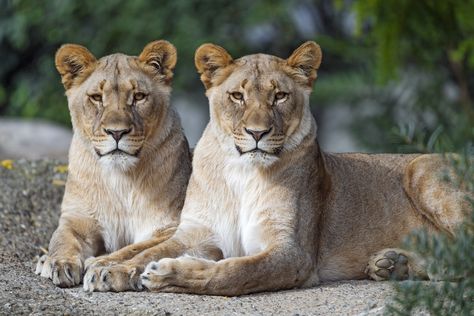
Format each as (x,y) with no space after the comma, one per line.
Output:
(129,162)
(267,210)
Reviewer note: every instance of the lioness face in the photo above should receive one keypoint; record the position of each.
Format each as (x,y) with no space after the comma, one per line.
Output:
(118,103)
(259,100)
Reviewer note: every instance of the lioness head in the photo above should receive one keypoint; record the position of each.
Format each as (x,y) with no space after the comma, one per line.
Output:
(118,103)
(259,102)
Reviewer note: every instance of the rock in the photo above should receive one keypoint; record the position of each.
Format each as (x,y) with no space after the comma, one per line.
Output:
(30,197)
(194,113)
(33,139)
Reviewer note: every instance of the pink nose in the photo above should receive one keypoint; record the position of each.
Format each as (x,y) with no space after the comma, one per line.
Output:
(257,135)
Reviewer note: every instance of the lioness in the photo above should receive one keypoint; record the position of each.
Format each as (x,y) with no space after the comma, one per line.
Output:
(129,161)
(279,211)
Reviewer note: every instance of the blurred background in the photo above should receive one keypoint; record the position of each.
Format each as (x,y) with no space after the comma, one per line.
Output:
(397,75)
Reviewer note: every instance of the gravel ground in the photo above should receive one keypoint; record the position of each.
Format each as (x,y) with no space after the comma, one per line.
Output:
(30,195)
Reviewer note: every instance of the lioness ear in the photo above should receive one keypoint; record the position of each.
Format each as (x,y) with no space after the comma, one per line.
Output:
(74,63)
(209,58)
(306,60)
(162,56)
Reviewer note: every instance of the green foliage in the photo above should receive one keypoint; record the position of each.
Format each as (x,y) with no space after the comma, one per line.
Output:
(425,32)
(424,56)
(424,53)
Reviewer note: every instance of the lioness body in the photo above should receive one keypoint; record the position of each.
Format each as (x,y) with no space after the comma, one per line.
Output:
(266,209)
(366,209)
(129,162)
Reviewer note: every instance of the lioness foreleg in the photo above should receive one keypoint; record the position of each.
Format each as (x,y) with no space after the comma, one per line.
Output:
(126,275)
(75,239)
(274,269)
(438,192)
(130,251)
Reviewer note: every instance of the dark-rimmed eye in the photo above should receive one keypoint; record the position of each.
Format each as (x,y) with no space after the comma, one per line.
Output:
(138,96)
(280,96)
(96,97)
(237,96)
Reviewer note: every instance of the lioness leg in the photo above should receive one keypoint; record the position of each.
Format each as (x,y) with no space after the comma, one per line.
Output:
(396,264)
(275,269)
(430,183)
(439,200)
(126,276)
(75,239)
(132,250)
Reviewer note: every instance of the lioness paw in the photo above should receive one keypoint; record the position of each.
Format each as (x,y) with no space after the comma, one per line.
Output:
(158,275)
(116,278)
(64,272)
(394,264)
(178,275)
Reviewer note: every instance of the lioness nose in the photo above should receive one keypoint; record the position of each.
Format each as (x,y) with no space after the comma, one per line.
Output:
(257,135)
(117,133)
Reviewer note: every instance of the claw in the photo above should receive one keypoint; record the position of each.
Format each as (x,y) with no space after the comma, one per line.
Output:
(104,275)
(68,274)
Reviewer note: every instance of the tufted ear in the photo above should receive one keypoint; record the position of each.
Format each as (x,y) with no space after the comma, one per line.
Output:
(74,63)
(162,57)
(210,58)
(305,60)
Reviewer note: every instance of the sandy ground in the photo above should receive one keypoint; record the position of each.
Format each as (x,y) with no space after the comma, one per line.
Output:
(30,194)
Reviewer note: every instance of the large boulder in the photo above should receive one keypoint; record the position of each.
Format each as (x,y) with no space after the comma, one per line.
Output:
(33,139)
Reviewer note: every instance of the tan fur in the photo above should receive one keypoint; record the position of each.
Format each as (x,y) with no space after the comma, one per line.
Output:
(287,215)
(129,162)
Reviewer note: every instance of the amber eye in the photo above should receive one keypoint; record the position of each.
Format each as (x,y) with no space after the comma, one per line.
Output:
(280,95)
(139,96)
(96,97)
(237,96)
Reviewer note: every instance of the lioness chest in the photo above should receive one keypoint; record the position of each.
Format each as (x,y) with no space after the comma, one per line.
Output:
(125,214)
(241,215)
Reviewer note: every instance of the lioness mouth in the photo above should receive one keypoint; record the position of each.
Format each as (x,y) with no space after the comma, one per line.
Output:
(117,152)
(255,150)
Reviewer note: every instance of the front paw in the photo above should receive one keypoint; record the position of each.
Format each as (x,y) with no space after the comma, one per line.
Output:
(184,274)
(159,275)
(64,272)
(116,278)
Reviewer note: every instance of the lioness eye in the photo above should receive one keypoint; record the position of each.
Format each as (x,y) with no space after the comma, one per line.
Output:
(280,95)
(96,97)
(237,95)
(139,96)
